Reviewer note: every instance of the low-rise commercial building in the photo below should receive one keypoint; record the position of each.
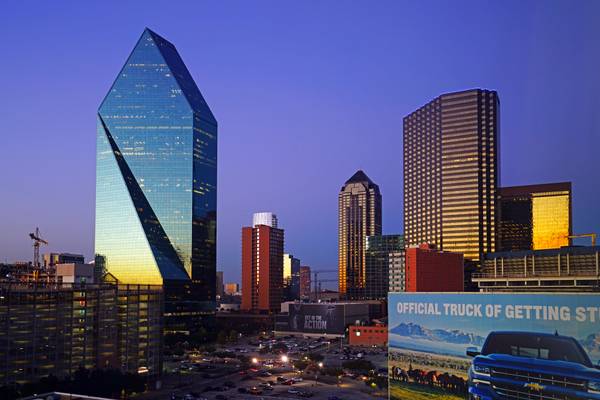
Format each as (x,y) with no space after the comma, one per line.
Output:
(51,259)
(376,335)
(74,273)
(321,319)
(568,269)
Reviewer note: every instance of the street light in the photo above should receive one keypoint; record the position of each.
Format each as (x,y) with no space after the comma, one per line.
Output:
(254,360)
(320,365)
(284,359)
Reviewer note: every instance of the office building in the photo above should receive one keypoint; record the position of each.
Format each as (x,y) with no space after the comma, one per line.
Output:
(451,173)
(566,269)
(55,329)
(305,282)
(232,289)
(382,254)
(359,216)
(262,266)
(219,282)
(51,259)
(74,273)
(370,335)
(264,218)
(432,270)
(291,277)
(535,217)
(156,183)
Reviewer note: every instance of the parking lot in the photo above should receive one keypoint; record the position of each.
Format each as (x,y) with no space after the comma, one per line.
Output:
(264,368)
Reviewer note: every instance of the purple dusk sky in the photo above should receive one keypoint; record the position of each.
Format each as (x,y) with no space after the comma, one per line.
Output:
(305,92)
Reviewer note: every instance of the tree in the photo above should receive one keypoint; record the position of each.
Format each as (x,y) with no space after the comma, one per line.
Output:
(222,338)
(358,365)
(301,364)
(233,336)
(332,371)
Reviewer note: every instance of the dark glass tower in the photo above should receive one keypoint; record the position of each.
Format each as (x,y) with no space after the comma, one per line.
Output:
(451,163)
(156,182)
(384,262)
(359,216)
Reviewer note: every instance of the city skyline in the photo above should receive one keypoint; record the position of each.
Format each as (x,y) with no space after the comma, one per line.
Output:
(541,139)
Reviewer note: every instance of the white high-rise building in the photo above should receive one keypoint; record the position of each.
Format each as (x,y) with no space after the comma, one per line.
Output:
(264,218)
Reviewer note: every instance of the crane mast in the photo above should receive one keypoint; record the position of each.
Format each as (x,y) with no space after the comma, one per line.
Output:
(37,242)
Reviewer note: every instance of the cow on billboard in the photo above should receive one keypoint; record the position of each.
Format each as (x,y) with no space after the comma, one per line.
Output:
(494,346)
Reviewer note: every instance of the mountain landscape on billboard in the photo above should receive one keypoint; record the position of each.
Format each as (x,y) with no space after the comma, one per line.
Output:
(417,331)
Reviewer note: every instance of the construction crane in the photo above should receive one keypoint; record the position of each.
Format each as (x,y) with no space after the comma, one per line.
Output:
(581,235)
(317,282)
(37,242)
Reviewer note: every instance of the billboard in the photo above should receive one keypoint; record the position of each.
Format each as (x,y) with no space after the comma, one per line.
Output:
(317,318)
(494,346)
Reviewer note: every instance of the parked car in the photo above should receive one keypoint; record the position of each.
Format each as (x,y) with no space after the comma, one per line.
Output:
(254,390)
(530,364)
(293,391)
(281,379)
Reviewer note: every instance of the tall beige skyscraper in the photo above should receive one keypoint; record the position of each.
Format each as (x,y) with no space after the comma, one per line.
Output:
(359,216)
(451,173)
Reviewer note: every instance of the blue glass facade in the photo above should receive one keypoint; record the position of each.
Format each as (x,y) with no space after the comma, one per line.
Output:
(156,181)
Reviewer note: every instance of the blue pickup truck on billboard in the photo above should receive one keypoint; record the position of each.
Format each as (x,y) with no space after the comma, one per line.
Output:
(481,346)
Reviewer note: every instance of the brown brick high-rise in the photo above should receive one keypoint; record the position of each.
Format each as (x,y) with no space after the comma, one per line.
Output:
(262,268)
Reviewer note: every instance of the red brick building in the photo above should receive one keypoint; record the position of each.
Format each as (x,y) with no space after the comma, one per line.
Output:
(262,268)
(304,282)
(368,335)
(431,270)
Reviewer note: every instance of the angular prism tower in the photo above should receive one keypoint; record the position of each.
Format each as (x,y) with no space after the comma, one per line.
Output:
(156,183)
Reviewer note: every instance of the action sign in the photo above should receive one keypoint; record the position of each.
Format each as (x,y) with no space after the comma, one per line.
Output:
(494,346)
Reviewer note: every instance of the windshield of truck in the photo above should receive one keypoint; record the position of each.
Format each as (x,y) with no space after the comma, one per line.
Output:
(544,347)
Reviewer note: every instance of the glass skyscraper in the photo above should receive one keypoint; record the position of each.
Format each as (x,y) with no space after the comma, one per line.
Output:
(359,216)
(156,182)
(451,173)
(535,217)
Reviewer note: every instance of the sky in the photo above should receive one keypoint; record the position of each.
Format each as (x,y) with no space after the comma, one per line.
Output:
(305,93)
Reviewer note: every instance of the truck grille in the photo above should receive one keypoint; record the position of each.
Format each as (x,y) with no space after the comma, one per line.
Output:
(542,379)
(511,392)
